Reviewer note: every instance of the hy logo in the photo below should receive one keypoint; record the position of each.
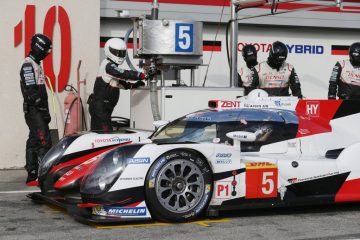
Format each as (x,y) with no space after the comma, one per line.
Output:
(313,109)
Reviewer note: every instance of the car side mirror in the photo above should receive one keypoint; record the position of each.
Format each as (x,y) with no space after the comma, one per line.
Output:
(241,136)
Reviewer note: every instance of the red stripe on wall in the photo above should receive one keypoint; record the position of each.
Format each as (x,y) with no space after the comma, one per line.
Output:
(282,6)
(212,48)
(339,52)
(192,2)
(295,6)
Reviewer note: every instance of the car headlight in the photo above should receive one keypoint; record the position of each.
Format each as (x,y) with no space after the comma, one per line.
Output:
(108,170)
(53,156)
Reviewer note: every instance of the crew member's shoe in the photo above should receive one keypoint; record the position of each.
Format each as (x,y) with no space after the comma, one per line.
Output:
(32,178)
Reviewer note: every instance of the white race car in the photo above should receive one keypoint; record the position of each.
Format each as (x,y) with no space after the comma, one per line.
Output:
(236,154)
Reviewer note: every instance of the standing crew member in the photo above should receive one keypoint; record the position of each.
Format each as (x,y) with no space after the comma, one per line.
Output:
(276,76)
(345,77)
(35,104)
(246,73)
(111,77)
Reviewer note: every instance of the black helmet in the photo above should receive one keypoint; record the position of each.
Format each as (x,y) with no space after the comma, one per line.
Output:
(354,53)
(277,55)
(40,46)
(249,54)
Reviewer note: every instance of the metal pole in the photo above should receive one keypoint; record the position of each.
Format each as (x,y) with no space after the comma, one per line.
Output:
(233,45)
(79,96)
(155,10)
(192,81)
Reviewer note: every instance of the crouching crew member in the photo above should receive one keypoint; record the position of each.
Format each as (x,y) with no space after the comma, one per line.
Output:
(111,78)
(35,104)
(345,77)
(276,76)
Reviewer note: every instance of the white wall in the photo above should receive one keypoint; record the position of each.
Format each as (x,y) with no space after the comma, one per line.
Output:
(84,19)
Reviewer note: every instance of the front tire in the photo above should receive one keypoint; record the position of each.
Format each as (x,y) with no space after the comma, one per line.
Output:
(178,186)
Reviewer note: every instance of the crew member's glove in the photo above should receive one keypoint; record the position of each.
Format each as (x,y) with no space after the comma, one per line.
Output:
(152,72)
(142,76)
(138,84)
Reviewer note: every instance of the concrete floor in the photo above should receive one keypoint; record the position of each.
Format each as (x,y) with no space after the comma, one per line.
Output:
(20,218)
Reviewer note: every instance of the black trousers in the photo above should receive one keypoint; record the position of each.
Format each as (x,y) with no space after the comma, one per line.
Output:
(39,140)
(100,111)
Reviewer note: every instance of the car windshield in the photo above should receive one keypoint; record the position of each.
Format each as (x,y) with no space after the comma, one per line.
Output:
(212,126)
(183,130)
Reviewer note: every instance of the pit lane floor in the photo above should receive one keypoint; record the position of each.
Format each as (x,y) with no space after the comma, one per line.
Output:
(20,218)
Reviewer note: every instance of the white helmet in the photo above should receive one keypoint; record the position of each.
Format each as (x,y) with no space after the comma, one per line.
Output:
(257,94)
(115,50)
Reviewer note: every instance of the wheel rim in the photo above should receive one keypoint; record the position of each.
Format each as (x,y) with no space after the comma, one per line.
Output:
(179,186)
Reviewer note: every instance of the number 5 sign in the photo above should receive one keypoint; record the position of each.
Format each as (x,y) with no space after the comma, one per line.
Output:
(261,180)
(184,37)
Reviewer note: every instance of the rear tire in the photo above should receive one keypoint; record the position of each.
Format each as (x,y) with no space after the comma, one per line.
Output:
(178,186)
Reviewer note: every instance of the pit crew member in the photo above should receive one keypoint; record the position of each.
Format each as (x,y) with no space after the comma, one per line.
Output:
(345,77)
(246,73)
(276,76)
(111,78)
(35,105)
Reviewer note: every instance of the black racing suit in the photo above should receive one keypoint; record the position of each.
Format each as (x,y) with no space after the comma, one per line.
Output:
(344,81)
(107,91)
(276,82)
(36,112)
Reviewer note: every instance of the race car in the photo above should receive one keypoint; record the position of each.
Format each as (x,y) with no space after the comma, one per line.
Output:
(74,153)
(267,152)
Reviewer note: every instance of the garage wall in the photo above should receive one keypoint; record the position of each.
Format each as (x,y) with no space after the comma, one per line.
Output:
(19,19)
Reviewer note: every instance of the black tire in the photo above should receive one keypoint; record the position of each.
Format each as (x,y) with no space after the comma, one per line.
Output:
(178,186)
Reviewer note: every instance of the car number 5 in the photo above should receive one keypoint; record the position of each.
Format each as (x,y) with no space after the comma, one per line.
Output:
(268,183)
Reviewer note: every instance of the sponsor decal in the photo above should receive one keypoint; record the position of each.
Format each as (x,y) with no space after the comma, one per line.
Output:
(313,108)
(223,155)
(112,140)
(292,48)
(240,136)
(257,165)
(230,104)
(292,180)
(98,210)
(223,161)
(145,160)
(247,105)
(200,118)
(296,180)
(157,167)
(132,179)
(223,158)
(125,211)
